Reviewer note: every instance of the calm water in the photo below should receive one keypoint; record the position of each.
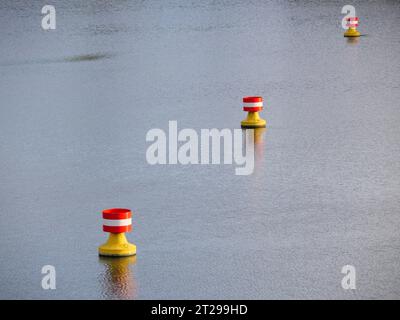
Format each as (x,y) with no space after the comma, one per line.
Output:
(76,104)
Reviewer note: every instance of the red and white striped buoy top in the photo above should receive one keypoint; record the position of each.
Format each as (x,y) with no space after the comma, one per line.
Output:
(352,22)
(252,104)
(117,220)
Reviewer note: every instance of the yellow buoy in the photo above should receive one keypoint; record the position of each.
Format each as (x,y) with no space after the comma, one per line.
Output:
(117,221)
(253,105)
(352,31)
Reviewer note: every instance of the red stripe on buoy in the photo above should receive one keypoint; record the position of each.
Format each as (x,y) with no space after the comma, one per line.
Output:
(252,109)
(117,213)
(118,229)
(352,19)
(252,99)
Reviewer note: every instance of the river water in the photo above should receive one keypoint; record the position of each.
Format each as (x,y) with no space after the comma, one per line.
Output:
(77,102)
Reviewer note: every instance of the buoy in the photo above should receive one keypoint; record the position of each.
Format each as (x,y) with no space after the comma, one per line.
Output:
(253,105)
(352,23)
(117,221)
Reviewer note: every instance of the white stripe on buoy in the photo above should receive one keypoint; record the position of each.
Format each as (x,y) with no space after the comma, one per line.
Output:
(252,104)
(117,223)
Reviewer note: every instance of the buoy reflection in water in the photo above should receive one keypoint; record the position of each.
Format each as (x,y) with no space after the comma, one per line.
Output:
(117,281)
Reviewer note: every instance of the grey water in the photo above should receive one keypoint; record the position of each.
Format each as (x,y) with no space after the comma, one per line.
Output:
(76,104)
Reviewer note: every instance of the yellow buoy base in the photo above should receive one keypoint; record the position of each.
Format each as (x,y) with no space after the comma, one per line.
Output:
(253,120)
(352,32)
(117,246)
